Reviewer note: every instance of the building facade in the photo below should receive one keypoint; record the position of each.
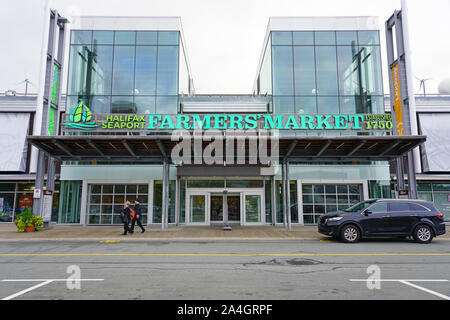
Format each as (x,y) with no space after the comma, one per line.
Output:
(308,66)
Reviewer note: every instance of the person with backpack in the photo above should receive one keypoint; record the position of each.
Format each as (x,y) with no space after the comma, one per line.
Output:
(136,216)
(125,215)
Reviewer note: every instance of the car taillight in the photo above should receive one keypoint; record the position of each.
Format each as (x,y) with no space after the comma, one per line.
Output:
(440,215)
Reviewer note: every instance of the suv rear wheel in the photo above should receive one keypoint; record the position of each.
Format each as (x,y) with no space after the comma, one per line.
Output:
(423,234)
(350,234)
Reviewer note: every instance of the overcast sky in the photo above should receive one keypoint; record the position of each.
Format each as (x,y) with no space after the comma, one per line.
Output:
(224,37)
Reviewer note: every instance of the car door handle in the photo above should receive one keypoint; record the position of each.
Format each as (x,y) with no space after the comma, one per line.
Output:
(386,216)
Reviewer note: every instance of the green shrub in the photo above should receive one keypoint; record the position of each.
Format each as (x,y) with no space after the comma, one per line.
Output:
(26,219)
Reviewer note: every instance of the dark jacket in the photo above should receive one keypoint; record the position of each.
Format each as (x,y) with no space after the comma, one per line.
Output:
(137,211)
(127,214)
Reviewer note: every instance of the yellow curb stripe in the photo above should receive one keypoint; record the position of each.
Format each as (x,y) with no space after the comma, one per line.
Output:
(221,254)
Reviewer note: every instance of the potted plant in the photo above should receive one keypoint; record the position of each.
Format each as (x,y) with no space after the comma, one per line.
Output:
(27,222)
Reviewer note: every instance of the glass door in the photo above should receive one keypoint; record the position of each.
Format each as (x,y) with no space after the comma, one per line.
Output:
(198,207)
(234,207)
(253,204)
(216,208)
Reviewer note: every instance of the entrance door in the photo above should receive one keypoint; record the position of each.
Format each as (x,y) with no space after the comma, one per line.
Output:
(198,207)
(218,209)
(253,204)
(234,207)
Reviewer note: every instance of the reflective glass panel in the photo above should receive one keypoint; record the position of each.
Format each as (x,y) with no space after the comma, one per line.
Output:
(368,38)
(145,104)
(305,105)
(100,71)
(326,70)
(125,37)
(303,38)
(327,105)
(145,73)
(146,37)
(347,38)
(325,38)
(81,37)
(283,104)
(168,37)
(103,37)
(371,70)
(166,104)
(123,77)
(304,71)
(349,70)
(282,70)
(281,38)
(167,78)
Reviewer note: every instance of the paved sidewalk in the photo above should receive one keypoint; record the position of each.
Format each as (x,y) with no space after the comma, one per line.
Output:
(8,232)
(88,233)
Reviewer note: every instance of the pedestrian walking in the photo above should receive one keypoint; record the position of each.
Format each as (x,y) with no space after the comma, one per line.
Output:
(125,216)
(137,216)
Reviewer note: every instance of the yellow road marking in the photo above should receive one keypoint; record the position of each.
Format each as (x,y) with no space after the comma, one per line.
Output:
(223,254)
(109,241)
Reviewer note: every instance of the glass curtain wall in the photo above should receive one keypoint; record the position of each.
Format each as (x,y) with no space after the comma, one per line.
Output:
(325,72)
(124,71)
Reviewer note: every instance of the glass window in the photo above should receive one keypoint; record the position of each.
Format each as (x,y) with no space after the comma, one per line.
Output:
(167,78)
(8,187)
(368,38)
(145,104)
(100,72)
(325,38)
(123,104)
(205,183)
(371,70)
(350,104)
(304,38)
(99,104)
(441,186)
(125,37)
(282,70)
(416,207)
(283,104)
(244,183)
(145,74)
(146,37)
(424,187)
(304,71)
(327,105)
(166,104)
(79,58)
(307,188)
(123,76)
(398,206)
(348,70)
(81,37)
(281,38)
(103,37)
(347,38)
(326,70)
(306,105)
(6,207)
(168,37)
(379,207)
(372,104)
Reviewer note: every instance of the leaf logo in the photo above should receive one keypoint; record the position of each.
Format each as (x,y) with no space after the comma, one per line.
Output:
(80,117)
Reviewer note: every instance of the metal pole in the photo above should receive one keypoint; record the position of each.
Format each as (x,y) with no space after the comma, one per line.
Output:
(166,220)
(283,192)
(227,227)
(164,196)
(274,200)
(288,197)
(177,201)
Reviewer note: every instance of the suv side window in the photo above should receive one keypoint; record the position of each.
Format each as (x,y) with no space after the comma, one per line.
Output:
(416,207)
(379,207)
(398,206)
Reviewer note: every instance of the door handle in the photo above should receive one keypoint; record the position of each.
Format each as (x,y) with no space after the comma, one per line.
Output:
(386,216)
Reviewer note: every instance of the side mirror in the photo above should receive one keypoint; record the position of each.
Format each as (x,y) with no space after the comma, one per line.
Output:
(367,212)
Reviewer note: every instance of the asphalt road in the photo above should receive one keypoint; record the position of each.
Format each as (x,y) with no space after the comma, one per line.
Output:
(238,270)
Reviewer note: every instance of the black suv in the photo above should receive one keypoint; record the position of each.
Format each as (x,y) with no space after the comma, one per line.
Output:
(386,218)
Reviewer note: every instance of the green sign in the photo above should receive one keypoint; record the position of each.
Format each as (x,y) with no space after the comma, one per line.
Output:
(80,118)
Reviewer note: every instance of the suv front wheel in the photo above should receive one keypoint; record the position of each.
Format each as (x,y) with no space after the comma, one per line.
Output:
(350,234)
(423,234)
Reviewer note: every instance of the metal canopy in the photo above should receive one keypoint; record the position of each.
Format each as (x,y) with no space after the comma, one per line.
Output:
(157,148)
